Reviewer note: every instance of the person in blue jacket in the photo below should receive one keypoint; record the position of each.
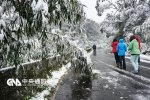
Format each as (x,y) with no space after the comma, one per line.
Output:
(121,49)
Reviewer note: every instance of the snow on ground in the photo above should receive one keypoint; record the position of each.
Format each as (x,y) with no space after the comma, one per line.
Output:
(128,73)
(52,82)
(57,74)
(115,79)
(111,77)
(94,71)
(143,58)
(140,97)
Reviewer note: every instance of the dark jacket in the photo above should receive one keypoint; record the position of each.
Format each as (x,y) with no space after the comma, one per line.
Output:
(94,47)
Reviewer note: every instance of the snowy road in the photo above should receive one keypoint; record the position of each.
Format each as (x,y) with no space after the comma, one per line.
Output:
(144,66)
(110,83)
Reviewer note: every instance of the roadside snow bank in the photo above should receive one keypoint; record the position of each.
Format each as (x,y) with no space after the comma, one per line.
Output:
(140,97)
(143,58)
(95,71)
(52,82)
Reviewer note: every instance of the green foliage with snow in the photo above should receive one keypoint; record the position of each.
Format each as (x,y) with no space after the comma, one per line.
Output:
(25,27)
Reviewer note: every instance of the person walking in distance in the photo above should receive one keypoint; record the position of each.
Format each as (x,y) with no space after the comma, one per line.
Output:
(135,53)
(94,50)
(114,46)
(121,49)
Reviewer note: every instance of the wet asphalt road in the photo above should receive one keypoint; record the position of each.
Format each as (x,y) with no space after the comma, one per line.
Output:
(107,84)
(144,67)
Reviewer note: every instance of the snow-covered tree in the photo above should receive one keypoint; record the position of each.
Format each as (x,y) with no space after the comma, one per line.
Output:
(94,32)
(126,15)
(26,20)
